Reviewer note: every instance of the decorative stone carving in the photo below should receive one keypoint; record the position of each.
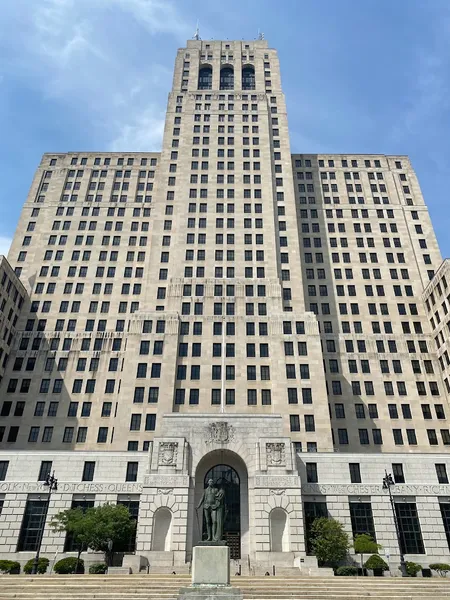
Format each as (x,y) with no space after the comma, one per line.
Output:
(286,482)
(277,492)
(219,433)
(167,454)
(164,491)
(276,454)
(342,489)
(162,481)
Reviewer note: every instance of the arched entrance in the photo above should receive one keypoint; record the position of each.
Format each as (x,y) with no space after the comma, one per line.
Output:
(228,472)
(279,530)
(162,529)
(226,478)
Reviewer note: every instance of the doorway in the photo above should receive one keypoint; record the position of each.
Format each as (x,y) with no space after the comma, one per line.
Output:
(226,477)
(227,470)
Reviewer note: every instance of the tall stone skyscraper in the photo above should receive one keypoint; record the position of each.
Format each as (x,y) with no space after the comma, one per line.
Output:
(226,308)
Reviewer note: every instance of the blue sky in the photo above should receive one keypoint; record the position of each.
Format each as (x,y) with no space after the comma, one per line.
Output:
(359,76)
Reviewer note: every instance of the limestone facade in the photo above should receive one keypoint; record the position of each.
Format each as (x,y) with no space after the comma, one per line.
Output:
(12,298)
(274,481)
(227,280)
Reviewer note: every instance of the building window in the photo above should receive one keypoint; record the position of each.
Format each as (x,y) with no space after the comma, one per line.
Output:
(441,472)
(294,422)
(397,471)
(226,78)
(88,471)
(150,422)
(102,435)
(32,524)
(70,545)
(445,512)
(205,78)
(132,471)
(311,473)
(248,78)
(411,541)
(355,472)
(4,464)
(362,518)
(45,469)
(311,512)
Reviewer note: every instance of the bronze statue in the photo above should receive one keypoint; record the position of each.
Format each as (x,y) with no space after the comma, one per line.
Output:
(213,501)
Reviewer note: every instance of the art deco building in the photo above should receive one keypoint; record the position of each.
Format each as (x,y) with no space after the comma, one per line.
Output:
(226,308)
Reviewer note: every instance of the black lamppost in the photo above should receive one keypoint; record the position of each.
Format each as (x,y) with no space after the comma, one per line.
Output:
(52,483)
(388,482)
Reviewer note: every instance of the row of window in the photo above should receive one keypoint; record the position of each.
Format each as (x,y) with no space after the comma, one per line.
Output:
(99,198)
(362,521)
(312,475)
(339,411)
(397,434)
(336,388)
(75,160)
(58,384)
(205,76)
(70,434)
(96,211)
(411,541)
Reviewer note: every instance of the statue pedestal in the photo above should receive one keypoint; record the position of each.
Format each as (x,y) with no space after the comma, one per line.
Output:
(211,564)
(206,543)
(210,574)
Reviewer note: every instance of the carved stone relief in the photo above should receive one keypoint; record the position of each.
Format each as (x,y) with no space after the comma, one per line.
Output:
(167,454)
(219,433)
(276,454)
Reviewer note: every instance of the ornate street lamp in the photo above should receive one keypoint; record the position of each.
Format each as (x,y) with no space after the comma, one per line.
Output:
(52,483)
(388,482)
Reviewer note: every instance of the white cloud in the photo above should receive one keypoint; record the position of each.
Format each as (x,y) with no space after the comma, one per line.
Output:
(429,85)
(5,243)
(98,60)
(157,15)
(142,133)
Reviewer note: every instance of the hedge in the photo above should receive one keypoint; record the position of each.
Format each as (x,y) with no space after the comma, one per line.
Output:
(376,562)
(42,566)
(98,568)
(347,571)
(69,565)
(11,567)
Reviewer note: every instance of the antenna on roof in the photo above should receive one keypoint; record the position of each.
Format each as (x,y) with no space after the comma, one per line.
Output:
(197,33)
(260,35)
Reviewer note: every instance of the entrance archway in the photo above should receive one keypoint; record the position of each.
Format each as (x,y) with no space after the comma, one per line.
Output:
(228,471)
(279,530)
(162,530)
(226,478)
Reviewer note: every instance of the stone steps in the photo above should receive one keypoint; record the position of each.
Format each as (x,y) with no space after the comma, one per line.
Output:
(166,587)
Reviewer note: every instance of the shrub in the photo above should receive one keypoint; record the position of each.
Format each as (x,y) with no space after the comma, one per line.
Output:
(42,566)
(412,568)
(98,568)
(375,562)
(329,541)
(365,544)
(347,571)
(67,566)
(11,567)
(441,568)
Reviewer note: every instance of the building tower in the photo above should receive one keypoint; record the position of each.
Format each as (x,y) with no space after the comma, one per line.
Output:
(226,308)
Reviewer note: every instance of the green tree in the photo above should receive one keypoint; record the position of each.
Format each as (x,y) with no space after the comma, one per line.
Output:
(329,541)
(376,563)
(365,544)
(100,528)
(108,526)
(441,568)
(72,521)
